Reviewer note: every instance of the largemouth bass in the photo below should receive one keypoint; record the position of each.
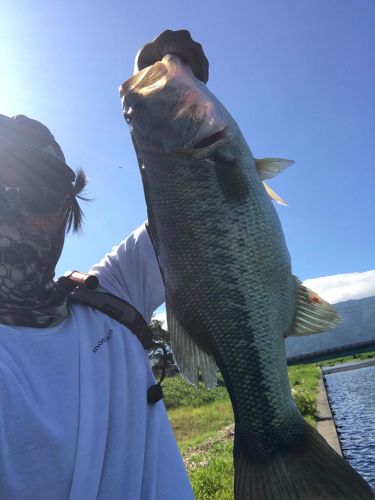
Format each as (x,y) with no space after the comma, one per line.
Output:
(231,298)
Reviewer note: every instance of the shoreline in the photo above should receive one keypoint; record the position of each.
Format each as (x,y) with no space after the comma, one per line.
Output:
(325,424)
(343,367)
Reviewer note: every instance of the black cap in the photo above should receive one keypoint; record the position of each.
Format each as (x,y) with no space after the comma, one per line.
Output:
(28,149)
(178,43)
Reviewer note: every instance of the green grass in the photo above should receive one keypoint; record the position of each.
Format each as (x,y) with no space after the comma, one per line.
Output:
(179,393)
(202,421)
(212,478)
(198,413)
(194,426)
(304,380)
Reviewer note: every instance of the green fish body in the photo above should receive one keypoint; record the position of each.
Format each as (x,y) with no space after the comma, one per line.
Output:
(231,297)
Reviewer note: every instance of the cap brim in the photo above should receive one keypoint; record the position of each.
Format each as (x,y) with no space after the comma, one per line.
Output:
(32,165)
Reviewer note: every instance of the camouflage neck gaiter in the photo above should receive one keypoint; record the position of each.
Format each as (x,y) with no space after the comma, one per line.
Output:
(28,255)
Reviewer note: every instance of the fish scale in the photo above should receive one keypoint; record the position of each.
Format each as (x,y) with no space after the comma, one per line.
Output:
(234,283)
(230,295)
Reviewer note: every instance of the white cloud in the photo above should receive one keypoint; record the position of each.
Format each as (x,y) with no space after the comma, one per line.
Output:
(341,287)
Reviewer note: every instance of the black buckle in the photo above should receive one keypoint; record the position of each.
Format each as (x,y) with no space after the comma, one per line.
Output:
(154,394)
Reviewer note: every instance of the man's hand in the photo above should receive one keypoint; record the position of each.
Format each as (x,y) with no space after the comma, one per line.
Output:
(178,43)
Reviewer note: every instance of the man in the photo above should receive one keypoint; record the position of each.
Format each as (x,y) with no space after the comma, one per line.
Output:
(74,418)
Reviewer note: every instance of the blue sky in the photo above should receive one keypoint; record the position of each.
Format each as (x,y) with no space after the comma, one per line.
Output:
(298,76)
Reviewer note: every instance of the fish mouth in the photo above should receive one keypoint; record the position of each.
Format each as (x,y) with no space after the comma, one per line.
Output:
(212,139)
(169,90)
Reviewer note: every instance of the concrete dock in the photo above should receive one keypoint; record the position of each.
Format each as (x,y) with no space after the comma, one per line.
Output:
(325,424)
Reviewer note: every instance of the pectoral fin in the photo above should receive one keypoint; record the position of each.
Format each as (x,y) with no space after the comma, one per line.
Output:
(270,167)
(232,178)
(313,314)
(274,196)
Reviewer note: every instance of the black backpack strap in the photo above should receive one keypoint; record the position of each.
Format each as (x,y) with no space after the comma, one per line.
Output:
(123,312)
(117,309)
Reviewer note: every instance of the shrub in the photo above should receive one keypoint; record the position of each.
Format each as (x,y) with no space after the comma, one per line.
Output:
(306,402)
(178,392)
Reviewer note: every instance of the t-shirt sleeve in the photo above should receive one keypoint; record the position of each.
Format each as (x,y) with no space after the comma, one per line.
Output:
(131,271)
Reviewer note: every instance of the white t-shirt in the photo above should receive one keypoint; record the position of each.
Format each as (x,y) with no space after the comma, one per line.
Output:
(74,419)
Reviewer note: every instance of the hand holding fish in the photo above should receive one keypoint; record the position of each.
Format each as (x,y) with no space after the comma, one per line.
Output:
(178,43)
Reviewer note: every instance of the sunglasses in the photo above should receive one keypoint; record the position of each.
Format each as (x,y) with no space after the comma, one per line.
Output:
(32,199)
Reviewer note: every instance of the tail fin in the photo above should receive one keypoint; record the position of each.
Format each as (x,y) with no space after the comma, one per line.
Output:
(311,470)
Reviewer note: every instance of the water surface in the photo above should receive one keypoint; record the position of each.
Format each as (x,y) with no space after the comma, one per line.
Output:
(352,398)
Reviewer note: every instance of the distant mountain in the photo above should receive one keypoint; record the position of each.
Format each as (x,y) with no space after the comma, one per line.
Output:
(358,325)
